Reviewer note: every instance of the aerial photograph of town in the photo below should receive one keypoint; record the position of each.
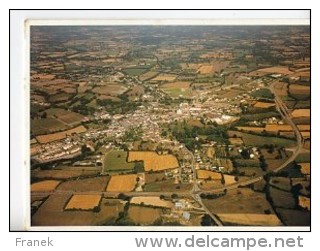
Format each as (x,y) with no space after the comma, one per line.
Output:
(170,125)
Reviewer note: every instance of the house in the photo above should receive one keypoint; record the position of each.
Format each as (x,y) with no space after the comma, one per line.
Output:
(186,215)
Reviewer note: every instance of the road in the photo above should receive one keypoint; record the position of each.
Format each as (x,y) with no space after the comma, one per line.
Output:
(196,191)
(283,110)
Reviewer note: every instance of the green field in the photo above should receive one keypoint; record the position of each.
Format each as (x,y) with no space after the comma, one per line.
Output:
(51,112)
(134,71)
(45,126)
(166,185)
(262,93)
(247,162)
(303,157)
(255,140)
(260,116)
(176,92)
(116,161)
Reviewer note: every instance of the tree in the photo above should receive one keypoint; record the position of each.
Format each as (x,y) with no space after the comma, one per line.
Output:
(267,211)
(296,189)
(223,181)
(207,221)
(174,196)
(44,115)
(271,148)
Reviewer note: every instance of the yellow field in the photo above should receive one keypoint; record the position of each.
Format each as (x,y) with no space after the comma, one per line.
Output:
(229,179)
(153,161)
(47,185)
(236,141)
(44,76)
(305,168)
(251,219)
(300,113)
(59,135)
(180,84)
(206,69)
(281,88)
(276,128)
(288,128)
(148,75)
(223,54)
(250,128)
(280,69)
(165,77)
(299,89)
(204,174)
(290,134)
(35,149)
(263,105)
(304,202)
(122,183)
(304,127)
(151,201)
(305,134)
(83,201)
(190,66)
(144,215)
(213,66)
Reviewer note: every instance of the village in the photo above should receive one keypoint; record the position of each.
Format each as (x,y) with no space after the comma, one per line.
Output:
(171,132)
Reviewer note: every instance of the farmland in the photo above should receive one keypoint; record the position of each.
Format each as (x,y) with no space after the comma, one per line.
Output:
(153,161)
(281,183)
(110,89)
(170,126)
(83,202)
(176,89)
(229,179)
(148,75)
(166,185)
(277,69)
(215,66)
(259,116)
(52,213)
(304,202)
(122,183)
(263,105)
(47,185)
(299,89)
(65,116)
(71,118)
(164,77)
(63,174)
(240,207)
(281,198)
(116,161)
(134,71)
(204,174)
(59,135)
(251,129)
(151,201)
(152,177)
(293,217)
(44,126)
(143,215)
(301,113)
(251,140)
(86,184)
(250,219)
